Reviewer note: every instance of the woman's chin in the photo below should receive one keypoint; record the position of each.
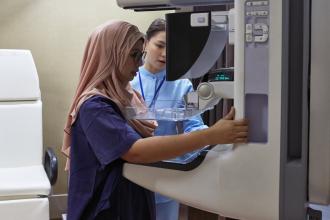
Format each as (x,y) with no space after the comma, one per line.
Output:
(160,68)
(161,65)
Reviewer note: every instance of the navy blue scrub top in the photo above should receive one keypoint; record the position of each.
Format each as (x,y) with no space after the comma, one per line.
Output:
(97,189)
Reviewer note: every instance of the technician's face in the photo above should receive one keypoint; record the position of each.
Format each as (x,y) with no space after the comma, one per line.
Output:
(133,61)
(155,59)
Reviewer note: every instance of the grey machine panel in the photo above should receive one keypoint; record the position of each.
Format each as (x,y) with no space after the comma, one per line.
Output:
(319,142)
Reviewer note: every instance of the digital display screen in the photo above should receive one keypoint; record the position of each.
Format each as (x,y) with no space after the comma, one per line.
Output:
(222,75)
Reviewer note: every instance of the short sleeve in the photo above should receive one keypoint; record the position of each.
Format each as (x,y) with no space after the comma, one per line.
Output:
(108,133)
(188,86)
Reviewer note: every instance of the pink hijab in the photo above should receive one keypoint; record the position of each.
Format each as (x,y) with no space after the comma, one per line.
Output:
(103,61)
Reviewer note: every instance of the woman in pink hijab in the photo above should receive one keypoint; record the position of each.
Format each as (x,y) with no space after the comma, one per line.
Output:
(98,138)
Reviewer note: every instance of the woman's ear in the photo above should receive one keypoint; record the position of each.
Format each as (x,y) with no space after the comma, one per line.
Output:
(145,45)
(145,48)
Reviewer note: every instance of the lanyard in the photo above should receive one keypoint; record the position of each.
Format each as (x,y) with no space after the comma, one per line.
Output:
(156,92)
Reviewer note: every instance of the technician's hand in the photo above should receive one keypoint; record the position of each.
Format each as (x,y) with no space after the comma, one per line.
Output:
(227,130)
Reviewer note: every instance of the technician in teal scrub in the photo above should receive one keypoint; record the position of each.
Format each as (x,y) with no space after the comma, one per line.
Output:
(156,91)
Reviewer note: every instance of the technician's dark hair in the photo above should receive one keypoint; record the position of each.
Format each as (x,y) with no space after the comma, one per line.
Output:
(156,26)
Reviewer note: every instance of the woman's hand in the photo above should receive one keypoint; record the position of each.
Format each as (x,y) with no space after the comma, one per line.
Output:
(152,149)
(227,130)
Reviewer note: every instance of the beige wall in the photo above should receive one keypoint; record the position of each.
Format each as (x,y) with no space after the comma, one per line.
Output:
(56,33)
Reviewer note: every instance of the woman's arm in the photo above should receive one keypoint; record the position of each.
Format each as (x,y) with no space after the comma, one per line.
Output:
(153,149)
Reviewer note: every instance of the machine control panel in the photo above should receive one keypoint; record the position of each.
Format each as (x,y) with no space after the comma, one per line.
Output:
(256,30)
(256,67)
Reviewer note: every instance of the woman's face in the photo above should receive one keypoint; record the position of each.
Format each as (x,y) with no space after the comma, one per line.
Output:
(155,59)
(133,61)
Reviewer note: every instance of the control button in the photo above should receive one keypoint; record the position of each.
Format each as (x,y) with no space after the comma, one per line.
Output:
(264,2)
(261,39)
(248,38)
(261,26)
(201,20)
(264,29)
(248,3)
(261,13)
(248,28)
(248,13)
(254,13)
(258,39)
(258,26)
(257,3)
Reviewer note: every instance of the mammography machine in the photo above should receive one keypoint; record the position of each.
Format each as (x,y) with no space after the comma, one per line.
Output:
(280,85)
